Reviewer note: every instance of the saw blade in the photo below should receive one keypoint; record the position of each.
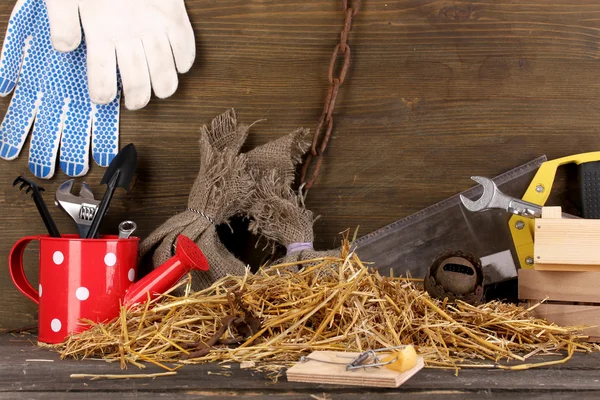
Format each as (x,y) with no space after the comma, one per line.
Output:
(409,246)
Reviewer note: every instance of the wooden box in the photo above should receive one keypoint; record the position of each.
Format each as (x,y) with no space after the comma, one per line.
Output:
(563,244)
(572,298)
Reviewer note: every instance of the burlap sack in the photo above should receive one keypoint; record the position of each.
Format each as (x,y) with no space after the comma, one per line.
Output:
(221,190)
(273,205)
(307,255)
(225,132)
(280,156)
(256,184)
(278,213)
(221,261)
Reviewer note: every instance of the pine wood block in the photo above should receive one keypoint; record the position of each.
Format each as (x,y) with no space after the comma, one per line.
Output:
(314,371)
(567,267)
(567,241)
(572,315)
(559,286)
(552,212)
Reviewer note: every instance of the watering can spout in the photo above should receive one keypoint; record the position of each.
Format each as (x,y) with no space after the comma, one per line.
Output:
(187,257)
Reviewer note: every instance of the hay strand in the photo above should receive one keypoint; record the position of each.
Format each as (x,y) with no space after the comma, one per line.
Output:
(334,304)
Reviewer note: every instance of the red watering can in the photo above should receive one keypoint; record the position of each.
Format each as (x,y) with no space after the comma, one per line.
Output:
(91,278)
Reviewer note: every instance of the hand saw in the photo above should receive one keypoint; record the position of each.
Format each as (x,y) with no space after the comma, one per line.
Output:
(522,229)
(411,244)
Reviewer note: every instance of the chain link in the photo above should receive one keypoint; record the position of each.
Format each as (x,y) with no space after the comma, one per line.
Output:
(341,55)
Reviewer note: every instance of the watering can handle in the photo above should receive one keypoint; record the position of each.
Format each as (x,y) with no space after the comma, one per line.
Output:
(17,273)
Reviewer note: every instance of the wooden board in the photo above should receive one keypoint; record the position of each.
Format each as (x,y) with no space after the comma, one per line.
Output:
(567,241)
(571,315)
(567,267)
(21,377)
(322,368)
(559,286)
(438,91)
(552,212)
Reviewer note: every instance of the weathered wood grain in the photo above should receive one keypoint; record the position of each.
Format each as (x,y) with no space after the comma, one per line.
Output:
(572,315)
(438,91)
(316,394)
(21,374)
(566,241)
(559,286)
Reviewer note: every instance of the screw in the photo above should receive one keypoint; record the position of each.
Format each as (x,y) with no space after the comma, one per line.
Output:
(520,225)
(539,188)
(529,261)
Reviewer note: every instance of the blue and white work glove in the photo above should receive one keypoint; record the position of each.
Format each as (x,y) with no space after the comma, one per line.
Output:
(150,40)
(51,93)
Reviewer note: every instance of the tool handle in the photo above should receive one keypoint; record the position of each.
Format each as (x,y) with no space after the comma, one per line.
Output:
(101,212)
(589,186)
(45,214)
(541,185)
(538,192)
(524,209)
(17,272)
(82,230)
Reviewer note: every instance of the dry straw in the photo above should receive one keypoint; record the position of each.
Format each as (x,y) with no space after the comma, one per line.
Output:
(335,304)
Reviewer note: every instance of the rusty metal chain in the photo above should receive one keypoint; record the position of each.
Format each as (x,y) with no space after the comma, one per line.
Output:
(320,141)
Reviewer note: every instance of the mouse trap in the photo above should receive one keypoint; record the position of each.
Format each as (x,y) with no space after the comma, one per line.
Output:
(386,367)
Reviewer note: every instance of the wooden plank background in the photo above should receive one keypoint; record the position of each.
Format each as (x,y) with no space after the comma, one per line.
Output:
(438,91)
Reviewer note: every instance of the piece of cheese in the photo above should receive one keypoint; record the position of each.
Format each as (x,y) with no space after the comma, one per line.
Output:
(406,359)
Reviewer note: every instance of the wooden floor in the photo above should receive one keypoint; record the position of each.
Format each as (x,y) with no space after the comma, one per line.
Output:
(439,90)
(23,375)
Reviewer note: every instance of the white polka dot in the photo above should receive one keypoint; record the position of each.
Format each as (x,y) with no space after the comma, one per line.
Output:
(82,293)
(40,289)
(56,325)
(131,274)
(110,259)
(58,258)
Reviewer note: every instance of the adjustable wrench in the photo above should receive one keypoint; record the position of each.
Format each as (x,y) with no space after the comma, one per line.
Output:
(493,198)
(81,208)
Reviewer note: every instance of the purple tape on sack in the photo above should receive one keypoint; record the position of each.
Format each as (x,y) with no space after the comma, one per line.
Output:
(296,247)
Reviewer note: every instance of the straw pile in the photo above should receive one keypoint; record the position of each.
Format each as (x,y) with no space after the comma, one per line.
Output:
(335,304)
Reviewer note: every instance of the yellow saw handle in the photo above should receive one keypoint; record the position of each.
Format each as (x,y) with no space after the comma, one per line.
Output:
(538,191)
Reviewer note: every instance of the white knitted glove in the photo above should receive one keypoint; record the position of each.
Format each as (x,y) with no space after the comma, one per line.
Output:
(150,39)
